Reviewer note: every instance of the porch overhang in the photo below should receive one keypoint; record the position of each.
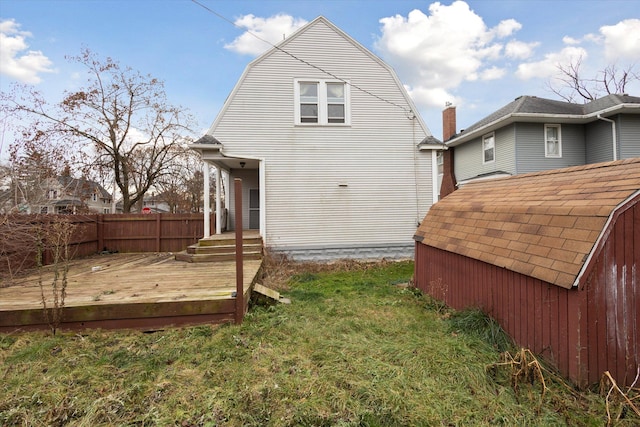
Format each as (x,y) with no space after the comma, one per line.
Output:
(431,143)
(211,151)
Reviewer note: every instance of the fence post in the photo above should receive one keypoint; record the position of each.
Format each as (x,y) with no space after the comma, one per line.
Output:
(100,232)
(158,228)
(239,255)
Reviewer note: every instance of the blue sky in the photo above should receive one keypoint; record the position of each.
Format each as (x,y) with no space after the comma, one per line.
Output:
(479,55)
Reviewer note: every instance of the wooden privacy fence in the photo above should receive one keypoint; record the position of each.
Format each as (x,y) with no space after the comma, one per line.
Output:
(110,232)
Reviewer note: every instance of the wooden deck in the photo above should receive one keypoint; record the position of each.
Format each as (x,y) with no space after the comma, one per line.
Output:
(144,291)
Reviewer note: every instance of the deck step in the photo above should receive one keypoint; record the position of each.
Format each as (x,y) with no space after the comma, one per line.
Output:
(229,242)
(221,249)
(222,257)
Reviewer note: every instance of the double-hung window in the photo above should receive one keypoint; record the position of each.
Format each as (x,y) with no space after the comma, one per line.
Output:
(552,141)
(489,148)
(308,102)
(335,103)
(321,102)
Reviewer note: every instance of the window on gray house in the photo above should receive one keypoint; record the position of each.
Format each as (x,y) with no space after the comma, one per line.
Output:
(488,148)
(552,141)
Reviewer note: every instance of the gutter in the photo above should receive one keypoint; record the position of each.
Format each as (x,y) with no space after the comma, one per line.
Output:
(513,117)
(613,134)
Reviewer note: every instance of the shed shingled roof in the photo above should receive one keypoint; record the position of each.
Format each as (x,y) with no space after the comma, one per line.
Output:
(544,225)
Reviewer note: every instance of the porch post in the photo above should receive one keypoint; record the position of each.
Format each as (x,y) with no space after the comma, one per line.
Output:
(207,202)
(218,201)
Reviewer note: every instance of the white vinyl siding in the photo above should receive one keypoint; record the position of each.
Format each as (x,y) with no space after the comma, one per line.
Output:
(328,186)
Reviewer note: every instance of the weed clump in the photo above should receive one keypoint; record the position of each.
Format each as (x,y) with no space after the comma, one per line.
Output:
(475,322)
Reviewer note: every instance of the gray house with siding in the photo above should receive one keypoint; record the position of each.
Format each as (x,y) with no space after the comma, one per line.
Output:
(533,134)
(334,159)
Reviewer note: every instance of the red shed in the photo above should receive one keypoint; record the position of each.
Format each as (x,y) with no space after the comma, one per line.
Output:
(552,256)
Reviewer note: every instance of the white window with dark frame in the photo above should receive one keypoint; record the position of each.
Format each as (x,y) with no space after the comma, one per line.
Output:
(552,141)
(322,102)
(489,148)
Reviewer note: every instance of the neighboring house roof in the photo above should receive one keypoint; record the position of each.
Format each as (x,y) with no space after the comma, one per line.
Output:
(81,188)
(431,142)
(532,109)
(545,225)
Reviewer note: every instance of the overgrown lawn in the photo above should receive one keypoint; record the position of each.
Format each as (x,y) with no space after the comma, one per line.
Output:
(352,349)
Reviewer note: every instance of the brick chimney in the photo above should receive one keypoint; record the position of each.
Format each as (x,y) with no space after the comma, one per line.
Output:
(448,122)
(448,130)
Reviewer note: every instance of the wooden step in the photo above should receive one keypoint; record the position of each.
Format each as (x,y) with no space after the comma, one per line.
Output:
(197,249)
(219,249)
(219,257)
(208,241)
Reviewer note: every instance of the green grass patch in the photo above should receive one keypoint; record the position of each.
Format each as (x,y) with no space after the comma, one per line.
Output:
(352,349)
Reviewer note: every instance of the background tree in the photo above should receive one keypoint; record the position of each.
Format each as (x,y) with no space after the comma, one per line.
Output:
(32,163)
(571,84)
(183,187)
(120,125)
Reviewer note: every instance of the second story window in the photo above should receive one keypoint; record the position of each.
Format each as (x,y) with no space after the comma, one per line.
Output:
(308,102)
(488,148)
(552,141)
(335,102)
(321,102)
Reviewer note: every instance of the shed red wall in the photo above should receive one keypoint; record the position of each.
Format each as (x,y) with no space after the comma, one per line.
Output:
(582,331)
(613,300)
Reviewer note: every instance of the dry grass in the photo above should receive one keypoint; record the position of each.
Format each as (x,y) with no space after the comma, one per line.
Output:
(352,349)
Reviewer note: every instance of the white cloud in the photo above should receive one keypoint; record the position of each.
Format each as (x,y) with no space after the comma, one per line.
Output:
(24,67)
(506,28)
(519,50)
(570,40)
(493,73)
(622,40)
(435,52)
(549,65)
(431,97)
(271,29)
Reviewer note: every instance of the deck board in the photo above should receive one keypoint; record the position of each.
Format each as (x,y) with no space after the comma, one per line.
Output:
(101,284)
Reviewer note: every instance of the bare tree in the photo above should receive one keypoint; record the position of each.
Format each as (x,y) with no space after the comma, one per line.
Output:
(32,164)
(120,125)
(183,188)
(571,85)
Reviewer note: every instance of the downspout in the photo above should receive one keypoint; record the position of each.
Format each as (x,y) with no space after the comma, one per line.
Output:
(613,132)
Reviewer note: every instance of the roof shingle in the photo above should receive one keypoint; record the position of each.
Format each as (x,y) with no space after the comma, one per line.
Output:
(543,224)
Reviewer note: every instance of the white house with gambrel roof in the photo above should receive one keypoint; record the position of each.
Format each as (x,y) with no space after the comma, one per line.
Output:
(334,157)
